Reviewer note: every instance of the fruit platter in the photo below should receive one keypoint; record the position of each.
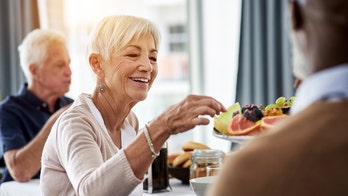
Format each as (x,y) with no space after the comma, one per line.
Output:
(241,123)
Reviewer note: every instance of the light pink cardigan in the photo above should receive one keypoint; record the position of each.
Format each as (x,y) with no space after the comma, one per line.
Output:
(79,157)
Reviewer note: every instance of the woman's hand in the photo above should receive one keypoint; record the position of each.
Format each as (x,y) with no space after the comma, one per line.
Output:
(176,119)
(189,113)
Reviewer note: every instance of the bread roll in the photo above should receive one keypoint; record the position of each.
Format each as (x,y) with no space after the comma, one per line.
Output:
(187,164)
(171,157)
(182,158)
(190,146)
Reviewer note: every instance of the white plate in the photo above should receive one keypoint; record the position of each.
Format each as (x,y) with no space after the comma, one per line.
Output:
(237,139)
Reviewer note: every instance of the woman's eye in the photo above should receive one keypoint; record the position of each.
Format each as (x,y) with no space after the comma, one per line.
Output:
(154,59)
(60,65)
(133,55)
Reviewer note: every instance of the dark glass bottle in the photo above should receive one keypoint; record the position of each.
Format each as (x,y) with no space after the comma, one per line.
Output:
(157,178)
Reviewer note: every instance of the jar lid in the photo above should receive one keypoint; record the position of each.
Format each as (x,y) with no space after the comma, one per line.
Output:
(207,153)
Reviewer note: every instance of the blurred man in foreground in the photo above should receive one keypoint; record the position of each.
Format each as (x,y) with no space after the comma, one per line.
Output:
(308,153)
(27,117)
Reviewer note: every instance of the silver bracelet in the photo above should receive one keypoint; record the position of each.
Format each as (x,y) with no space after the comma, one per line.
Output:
(154,154)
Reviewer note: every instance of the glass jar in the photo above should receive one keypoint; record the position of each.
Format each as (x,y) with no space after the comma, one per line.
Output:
(203,158)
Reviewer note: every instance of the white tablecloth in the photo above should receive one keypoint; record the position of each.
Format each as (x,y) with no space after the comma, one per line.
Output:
(31,188)
(13,188)
(177,189)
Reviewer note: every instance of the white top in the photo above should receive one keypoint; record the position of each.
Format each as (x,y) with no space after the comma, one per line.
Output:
(329,84)
(127,136)
(80,158)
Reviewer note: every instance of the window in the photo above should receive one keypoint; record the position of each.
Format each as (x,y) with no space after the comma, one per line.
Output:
(177,38)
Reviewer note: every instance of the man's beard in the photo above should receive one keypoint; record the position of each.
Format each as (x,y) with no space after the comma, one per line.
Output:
(300,66)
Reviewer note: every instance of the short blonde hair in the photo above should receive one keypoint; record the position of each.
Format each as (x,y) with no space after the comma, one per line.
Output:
(114,32)
(34,48)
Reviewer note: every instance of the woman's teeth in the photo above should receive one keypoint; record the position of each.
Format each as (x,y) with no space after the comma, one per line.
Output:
(144,80)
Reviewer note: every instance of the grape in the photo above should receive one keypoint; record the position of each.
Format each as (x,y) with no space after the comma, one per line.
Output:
(248,107)
(270,106)
(258,113)
(291,100)
(286,104)
(252,112)
(286,107)
(247,115)
(280,101)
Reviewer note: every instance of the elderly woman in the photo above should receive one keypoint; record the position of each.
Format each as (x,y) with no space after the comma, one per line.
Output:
(95,147)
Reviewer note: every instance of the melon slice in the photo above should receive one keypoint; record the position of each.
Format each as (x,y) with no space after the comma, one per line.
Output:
(221,121)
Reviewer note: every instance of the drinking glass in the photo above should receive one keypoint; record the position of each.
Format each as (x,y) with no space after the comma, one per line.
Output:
(213,170)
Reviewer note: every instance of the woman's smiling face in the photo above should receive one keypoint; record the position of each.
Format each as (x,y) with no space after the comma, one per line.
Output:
(132,70)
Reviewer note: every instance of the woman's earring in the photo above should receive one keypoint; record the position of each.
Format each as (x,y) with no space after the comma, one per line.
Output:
(101,88)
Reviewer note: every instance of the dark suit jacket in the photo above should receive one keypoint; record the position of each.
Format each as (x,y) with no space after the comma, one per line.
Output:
(307,154)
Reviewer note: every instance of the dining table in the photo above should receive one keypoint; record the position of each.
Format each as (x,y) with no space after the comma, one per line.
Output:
(31,188)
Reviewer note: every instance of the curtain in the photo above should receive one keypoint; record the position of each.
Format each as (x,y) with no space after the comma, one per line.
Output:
(17,18)
(264,71)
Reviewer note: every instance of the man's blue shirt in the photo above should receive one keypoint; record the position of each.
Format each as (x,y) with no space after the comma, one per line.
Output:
(21,118)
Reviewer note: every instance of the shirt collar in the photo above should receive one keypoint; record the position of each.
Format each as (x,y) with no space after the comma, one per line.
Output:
(326,84)
(32,99)
(37,102)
